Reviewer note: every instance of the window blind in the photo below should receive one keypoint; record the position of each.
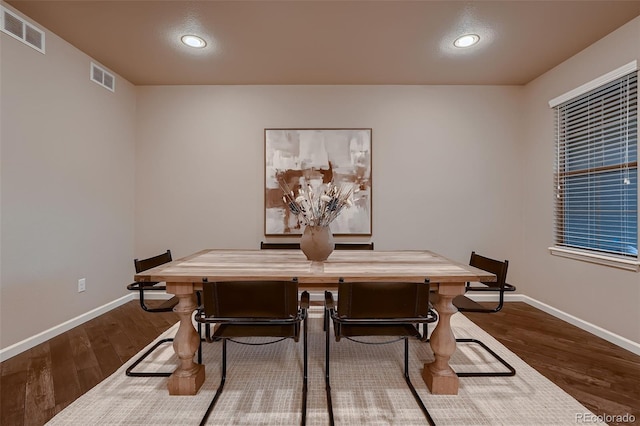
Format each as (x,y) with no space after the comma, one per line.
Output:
(596,169)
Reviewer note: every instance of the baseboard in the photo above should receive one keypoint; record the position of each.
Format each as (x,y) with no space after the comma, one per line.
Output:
(614,338)
(30,342)
(42,337)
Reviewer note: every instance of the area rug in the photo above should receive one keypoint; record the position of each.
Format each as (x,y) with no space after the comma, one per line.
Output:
(264,387)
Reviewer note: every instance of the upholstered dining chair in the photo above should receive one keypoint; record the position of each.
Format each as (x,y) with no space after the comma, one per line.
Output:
(166,306)
(268,309)
(391,309)
(465,304)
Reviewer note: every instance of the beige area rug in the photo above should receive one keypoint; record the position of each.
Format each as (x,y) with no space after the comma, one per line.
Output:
(264,387)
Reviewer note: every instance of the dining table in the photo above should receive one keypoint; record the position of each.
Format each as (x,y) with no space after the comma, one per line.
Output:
(184,277)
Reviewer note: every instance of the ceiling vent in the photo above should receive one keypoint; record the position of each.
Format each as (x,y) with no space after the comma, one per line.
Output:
(21,30)
(103,77)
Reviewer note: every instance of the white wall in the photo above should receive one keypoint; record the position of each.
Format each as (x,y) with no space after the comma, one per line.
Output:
(454,169)
(446,163)
(67,200)
(607,297)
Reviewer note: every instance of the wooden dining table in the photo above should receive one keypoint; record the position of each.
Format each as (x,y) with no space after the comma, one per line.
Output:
(184,277)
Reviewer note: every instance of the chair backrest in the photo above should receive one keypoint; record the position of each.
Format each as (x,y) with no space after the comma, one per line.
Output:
(294,246)
(279,246)
(354,246)
(491,265)
(382,299)
(250,299)
(152,262)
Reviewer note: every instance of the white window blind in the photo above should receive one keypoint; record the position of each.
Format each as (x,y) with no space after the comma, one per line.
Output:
(596,169)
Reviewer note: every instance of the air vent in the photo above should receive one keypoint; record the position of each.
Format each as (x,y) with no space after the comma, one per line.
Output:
(103,77)
(20,29)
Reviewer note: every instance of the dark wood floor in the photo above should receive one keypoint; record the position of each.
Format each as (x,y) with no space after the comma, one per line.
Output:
(599,374)
(38,383)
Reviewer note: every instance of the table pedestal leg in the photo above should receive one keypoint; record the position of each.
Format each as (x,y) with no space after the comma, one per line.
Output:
(438,375)
(189,376)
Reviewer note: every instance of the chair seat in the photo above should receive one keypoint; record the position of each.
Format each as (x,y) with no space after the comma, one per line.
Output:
(461,302)
(464,303)
(169,303)
(378,330)
(233,330)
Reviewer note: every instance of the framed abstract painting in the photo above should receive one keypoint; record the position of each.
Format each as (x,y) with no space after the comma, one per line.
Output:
(310,159)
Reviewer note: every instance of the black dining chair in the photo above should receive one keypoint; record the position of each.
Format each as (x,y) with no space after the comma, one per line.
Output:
(294,246)
(242,309)
(466,304)
(142,288)
(390,309)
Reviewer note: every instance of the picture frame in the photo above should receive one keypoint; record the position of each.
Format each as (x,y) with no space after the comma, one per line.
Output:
(310,158)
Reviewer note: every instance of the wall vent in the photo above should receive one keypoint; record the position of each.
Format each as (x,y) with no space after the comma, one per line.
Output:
(18,28)
(103,77)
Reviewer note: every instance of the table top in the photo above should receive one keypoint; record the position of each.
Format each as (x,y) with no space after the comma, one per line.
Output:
(352,265)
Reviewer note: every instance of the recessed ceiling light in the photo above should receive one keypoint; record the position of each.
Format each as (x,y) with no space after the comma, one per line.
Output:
(193,41)
(466,40)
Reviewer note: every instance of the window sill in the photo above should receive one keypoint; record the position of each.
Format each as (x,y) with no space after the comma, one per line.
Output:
(600,259)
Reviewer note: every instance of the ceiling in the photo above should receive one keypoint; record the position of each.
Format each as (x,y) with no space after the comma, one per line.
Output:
(330,41)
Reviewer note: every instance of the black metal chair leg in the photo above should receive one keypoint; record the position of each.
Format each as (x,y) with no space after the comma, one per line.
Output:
(425,332)
(326,320)
(200,345)
(224,378)
(413,390)
(511,372)
(202,339)
(327,379)
(221,386)
(199,304)
(130,371)
(304,375)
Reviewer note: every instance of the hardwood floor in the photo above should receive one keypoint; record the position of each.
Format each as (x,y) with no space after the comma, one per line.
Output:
(599,374)
(38,383)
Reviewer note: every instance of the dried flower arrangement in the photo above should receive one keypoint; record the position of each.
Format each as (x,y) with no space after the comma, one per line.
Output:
(317,207)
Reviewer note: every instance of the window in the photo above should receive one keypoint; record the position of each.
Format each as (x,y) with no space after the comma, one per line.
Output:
(596,169)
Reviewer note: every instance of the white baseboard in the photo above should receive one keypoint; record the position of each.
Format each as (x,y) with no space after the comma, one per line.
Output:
(30,342)
(607,335)
(616,339)
(42,337)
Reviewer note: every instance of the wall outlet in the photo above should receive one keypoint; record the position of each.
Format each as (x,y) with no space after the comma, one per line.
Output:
(82,285)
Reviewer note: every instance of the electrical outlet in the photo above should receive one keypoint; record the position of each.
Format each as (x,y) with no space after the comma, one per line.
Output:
(82,285)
